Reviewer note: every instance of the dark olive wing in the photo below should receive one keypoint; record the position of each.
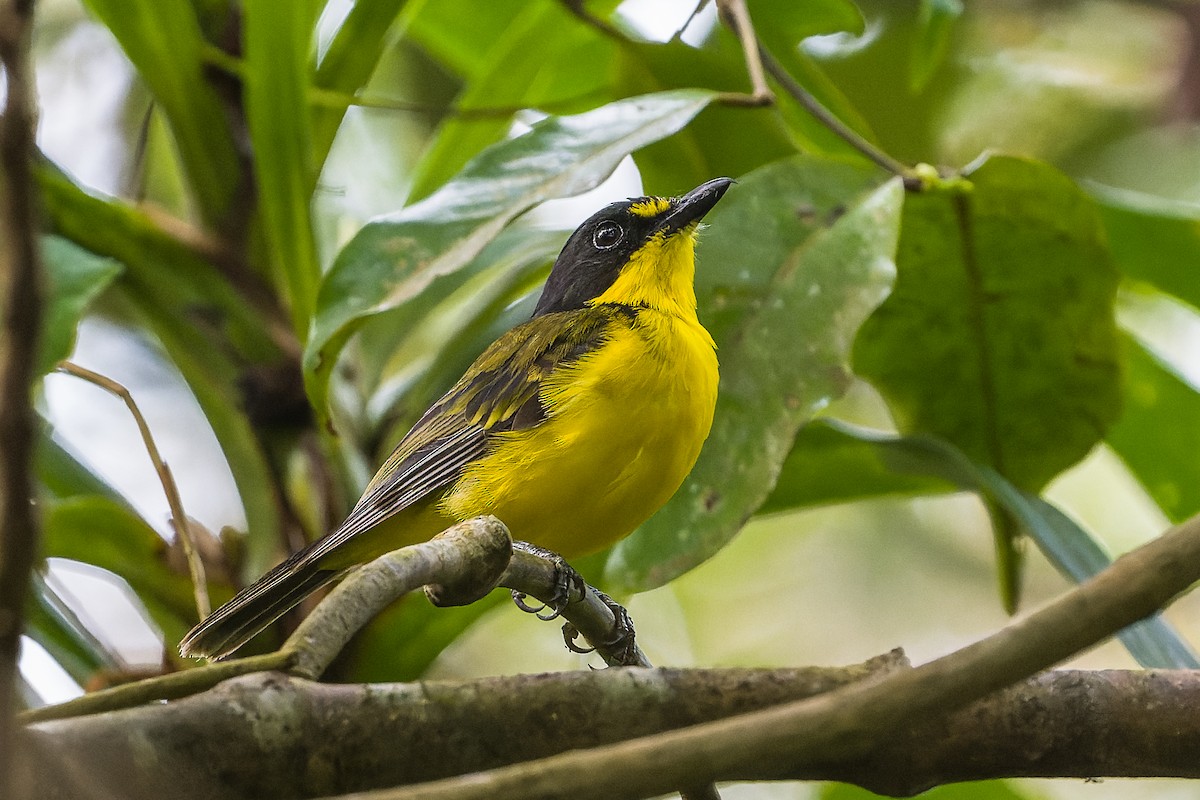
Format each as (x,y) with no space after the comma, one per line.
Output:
(500,392)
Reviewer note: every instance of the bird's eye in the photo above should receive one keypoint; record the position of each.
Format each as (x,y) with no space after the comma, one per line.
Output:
(607,235)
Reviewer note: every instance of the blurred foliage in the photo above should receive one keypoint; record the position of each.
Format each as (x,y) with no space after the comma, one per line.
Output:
(311,335)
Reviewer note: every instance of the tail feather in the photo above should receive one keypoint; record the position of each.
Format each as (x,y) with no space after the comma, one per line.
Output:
(254,608)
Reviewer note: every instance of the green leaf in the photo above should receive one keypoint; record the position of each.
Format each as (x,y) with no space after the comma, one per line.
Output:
(786,23)
(974,790)
(50,623)
(1069,547)
(348,63)
(788,288)
(1158,436)
(464,49)
(277,80)
(564,70)
(1153,241)
(163,40)
(1000,336)
(74,277)
(935,24)
(395,258)
(826,467)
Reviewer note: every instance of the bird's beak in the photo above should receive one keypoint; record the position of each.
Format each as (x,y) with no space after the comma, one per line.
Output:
(692,207)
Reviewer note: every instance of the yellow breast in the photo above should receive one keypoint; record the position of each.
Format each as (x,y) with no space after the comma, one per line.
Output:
(624,426)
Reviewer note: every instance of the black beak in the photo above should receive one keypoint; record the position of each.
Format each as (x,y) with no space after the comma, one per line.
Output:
(693,206)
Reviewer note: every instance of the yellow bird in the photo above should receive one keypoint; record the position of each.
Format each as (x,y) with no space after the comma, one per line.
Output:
(572,428)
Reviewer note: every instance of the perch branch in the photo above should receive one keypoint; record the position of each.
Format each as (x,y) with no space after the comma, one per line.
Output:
(240,740)
(849,723)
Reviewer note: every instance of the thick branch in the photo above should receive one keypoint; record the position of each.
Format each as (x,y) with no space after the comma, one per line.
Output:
(20,317)
(266,736)
(849,723)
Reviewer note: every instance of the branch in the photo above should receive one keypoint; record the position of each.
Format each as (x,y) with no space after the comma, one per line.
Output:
(243,739)
(849,723)
(234,741)
(464,562)
(20,277)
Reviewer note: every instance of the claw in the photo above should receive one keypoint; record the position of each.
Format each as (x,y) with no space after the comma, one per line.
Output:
(567,583)
(570,634)
(519,601)
(624,641)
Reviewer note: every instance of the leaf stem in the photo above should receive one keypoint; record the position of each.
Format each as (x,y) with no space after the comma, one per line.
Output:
(170,489)
(829,120)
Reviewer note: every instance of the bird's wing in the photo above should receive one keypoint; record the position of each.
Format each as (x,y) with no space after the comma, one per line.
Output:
(500,392)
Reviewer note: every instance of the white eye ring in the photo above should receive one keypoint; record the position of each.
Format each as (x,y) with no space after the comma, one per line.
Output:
(607,235)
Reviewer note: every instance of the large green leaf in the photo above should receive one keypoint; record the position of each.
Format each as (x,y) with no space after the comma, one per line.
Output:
(74,277)
(1158,436)
(276,84)
(1070,548)
(1000,335)
(789,287)
(393,259)
(1153,241)
(163,40)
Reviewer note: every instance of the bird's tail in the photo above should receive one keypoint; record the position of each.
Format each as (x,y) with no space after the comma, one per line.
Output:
(254,608)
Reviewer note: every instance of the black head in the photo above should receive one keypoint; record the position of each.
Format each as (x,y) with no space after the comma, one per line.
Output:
(593,257)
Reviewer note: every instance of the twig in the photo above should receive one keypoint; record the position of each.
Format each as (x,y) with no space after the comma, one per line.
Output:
(170,489)
(580,11)
(735,15)
(828,119)
(848,723)
(20,286)
(162,687)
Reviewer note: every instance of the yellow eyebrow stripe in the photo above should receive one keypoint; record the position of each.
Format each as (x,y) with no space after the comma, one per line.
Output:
(650,207)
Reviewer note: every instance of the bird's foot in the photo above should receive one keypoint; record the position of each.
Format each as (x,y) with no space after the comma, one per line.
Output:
(623,644)
(568,583)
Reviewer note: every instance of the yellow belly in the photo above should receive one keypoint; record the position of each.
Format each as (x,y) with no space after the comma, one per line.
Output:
(624,427)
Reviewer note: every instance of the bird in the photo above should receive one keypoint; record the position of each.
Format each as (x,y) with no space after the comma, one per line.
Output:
(572,428)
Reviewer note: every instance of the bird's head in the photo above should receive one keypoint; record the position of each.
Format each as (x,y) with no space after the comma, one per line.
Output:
(637,252)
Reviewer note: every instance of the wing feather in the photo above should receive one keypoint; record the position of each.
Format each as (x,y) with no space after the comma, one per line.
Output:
(500,392)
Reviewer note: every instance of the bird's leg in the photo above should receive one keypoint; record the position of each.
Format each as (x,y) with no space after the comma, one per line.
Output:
(566,582)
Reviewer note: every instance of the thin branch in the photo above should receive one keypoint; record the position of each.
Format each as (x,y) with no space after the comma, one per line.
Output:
(848,723)
(20,286)
(829,119)
(736,16)
(161,687)
(170,489)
